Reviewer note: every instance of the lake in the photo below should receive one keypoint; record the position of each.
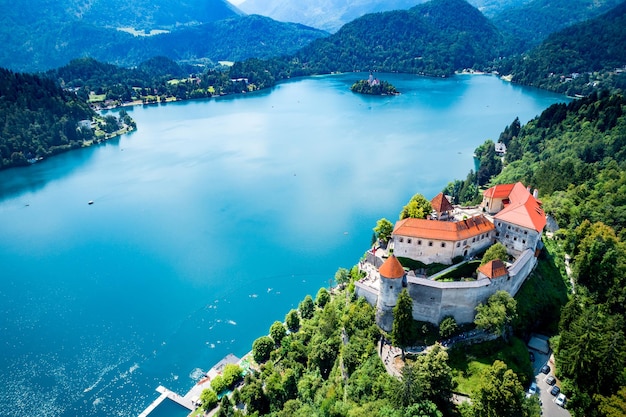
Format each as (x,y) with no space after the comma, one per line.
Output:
(210,222)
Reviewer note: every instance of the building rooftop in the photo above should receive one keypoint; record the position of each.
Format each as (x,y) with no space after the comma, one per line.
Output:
(522,208)
(391,268)
(438,230)
(493,269)
(440,203)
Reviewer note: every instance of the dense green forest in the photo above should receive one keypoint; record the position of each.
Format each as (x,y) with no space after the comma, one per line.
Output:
(531,23)
(40,119)
(575,155)
(586,57)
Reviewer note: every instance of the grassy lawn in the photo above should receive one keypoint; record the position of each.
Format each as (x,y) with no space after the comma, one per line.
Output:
(467,270)
(95,98)
(467,362)
(542,295)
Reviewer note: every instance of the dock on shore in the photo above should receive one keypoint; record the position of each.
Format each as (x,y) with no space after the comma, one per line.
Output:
(190,400)
(166,393)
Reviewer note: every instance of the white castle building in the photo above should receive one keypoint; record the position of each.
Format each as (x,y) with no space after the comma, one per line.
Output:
(509,214)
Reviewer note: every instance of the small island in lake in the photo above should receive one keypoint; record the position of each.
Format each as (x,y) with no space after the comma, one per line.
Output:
(373,86)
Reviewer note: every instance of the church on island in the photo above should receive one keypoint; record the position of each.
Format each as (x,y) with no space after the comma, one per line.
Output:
(509,213)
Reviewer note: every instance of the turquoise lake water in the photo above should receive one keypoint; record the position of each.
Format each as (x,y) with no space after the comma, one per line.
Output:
(209,223)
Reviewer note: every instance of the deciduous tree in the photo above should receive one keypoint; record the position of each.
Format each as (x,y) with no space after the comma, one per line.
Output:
(495,251)
(497,314)
(261,348)
(292,320)
(306,307)
(277,332)
(383,229)
(499,393)
(418,207)
(208,398)
(402,321)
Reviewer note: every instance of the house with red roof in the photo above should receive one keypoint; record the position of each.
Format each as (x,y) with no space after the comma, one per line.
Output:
(441,205)
(431,241)
(518,216)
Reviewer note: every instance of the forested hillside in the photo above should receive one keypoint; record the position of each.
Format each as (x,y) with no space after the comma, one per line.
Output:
(56,33)
(38,118)
(435,38)
(586,57)
(156,80)
(530,24)
(575,155)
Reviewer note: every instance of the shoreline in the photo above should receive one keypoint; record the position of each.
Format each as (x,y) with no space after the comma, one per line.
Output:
(190,400)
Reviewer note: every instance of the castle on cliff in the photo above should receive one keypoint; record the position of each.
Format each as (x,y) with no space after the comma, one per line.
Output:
(509,214)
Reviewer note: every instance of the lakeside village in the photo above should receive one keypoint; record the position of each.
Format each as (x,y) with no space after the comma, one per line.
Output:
(452,235)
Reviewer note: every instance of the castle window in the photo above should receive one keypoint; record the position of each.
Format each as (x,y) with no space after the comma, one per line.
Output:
(515,238)
(401,239)
(497,234)
(464,242)
(408,241)
(523,241)
(473,240)
(508,227)
(458,244)
(430,243)
(443,244)
(525,232)
(507,236)
(419,242)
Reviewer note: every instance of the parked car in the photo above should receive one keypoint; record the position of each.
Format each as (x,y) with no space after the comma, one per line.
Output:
(555,390)
(532,390)
(550,380)
(560,400)
(545,369)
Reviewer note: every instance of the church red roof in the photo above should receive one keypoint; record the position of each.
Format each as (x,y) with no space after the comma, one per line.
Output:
(391,268)
(493,269)
(440,203)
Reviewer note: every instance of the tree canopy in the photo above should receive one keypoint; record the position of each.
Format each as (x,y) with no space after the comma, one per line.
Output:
(418,207)
(402,321)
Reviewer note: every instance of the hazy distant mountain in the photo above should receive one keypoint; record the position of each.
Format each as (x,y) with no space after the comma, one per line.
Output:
(434,38)
(531,23)
(332,14)
(53,32)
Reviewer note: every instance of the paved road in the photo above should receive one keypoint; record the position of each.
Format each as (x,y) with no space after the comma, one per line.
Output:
(549,408)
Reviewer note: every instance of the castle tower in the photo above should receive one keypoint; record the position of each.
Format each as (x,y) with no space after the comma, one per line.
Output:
(391,281)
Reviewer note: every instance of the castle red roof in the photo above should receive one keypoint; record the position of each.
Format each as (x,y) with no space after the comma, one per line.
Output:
(438,230)
(499,191)
(493,269)
(391,268)
(440,203)
(522,208)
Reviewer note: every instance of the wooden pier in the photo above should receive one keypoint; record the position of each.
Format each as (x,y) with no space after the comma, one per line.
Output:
(165,393)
